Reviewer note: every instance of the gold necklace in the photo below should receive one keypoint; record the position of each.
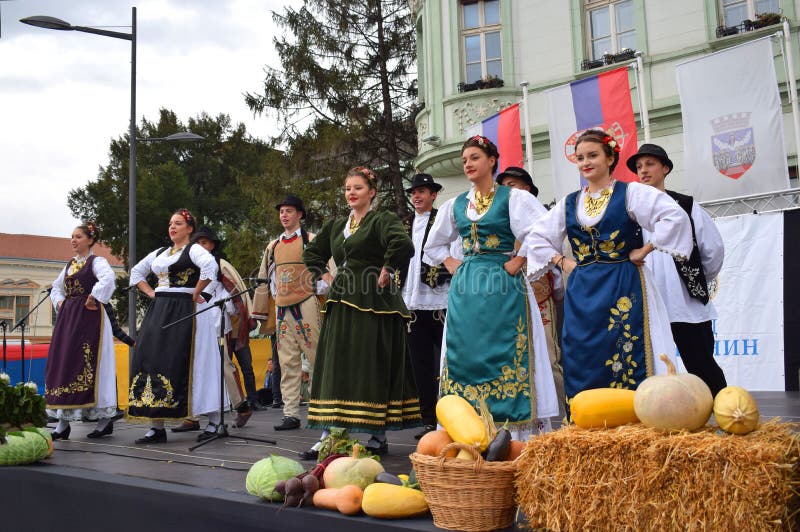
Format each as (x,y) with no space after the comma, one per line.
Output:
(482,203)
(76,265)
(594,206)
(173,250)
(354,224)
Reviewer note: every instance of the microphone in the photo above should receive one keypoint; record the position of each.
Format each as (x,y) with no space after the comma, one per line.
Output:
(258,280)
(48,290)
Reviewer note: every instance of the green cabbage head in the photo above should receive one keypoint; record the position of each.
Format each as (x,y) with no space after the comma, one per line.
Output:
(267,472)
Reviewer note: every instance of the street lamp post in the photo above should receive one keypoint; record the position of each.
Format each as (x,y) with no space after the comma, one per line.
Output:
(53,23)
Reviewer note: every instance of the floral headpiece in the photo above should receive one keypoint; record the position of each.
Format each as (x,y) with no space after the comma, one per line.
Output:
(366,172)
(612,143)
(92,230)
(481,140)
(186,216)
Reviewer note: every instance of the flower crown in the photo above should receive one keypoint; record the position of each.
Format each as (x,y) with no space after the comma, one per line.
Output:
(186,215)
(482,141)
(611,143)
(366,172)
(92,229)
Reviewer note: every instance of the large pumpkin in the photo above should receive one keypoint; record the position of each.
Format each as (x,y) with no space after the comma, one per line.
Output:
(673,402)
(353,470)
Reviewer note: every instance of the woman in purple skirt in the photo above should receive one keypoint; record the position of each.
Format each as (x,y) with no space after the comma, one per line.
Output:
(80,378)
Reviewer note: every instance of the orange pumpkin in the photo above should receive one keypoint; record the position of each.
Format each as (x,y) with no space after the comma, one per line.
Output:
(516,449)
(432,443)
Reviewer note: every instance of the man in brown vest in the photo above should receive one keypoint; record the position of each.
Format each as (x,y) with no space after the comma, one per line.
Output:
(297,309)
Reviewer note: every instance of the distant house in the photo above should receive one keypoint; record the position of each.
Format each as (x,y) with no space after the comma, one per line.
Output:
(28,265)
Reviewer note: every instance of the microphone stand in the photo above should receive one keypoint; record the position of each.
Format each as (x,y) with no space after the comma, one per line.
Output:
(21,325)
(222,430)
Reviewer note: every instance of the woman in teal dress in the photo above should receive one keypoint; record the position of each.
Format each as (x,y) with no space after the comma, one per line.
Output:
(614,319)
(495,346)
(363,379)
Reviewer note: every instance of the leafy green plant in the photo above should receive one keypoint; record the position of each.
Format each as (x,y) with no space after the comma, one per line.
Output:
(339,441)
(20,406)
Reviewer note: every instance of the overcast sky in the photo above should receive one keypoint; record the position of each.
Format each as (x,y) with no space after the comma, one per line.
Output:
(65,95)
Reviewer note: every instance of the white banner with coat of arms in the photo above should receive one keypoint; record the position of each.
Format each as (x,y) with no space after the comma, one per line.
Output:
(732,123)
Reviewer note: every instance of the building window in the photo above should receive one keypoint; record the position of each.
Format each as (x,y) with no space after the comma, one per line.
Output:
(480,27)
(735,12)
(21,307)
(611,26)
(6,306)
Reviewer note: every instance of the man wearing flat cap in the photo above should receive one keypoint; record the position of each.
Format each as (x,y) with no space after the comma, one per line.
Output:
(547,289)
(684,285)
(297,309)
(425,294)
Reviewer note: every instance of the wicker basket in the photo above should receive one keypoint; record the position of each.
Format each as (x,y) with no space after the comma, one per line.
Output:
(463,495)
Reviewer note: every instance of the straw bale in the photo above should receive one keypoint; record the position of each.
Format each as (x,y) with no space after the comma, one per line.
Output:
(637,478)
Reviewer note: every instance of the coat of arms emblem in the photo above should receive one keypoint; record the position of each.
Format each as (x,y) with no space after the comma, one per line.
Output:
(732,145)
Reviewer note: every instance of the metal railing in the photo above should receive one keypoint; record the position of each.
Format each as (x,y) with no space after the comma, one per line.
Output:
(757,203)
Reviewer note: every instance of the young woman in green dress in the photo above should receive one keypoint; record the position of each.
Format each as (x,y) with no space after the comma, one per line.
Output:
(363,379)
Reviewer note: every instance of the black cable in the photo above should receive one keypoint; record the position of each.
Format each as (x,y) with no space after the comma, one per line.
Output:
(222,466)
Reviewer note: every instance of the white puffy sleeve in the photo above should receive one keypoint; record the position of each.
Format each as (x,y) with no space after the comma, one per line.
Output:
(443,233)
(669,227)
(57,293)
(523,211)
(545,240)
(104,287)
(709,241)
(142,269)
(205,261)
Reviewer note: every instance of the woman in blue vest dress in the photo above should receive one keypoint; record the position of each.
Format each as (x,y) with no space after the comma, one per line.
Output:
(495,345)
(614,319)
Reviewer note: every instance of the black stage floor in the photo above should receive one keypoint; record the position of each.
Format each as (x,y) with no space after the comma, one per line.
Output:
(114,485)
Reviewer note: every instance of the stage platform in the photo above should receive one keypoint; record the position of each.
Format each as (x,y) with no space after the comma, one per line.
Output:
(112,484)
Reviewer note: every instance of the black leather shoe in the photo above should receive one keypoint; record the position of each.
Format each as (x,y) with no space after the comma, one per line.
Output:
(159,436)
(375,446)
(63,435)
(100,433)
(288,423)
(187,425)
(311,454)
(208,434)
(426,429)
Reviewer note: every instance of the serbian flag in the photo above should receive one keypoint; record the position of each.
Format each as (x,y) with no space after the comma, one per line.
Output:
(599,102)
(503,130)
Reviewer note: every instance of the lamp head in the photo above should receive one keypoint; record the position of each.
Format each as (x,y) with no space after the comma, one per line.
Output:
(50,23)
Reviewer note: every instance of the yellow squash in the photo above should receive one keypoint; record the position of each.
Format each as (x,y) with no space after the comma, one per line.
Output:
(603,408)
(389,501)
(462,422)
(735,410)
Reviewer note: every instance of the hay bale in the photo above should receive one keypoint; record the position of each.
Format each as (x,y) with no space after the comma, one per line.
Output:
(637,478)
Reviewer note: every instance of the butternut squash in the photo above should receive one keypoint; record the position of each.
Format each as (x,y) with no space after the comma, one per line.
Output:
(387,501)
(348,499)
(326,498)
(462,422)
(603,408)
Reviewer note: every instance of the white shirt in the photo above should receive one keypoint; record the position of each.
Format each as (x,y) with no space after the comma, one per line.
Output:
(159,264)
(103,289)
(680,306)
(523,209)
(416,294)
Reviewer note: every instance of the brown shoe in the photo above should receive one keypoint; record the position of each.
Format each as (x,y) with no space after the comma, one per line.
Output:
(243,417)
(188,425)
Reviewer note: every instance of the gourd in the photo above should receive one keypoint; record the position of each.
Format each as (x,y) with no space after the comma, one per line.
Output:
(673,402)
(603,408)
(462,422)
(735,410)
(348,499)
(353,470)
(433,442)
(387,501)
(515,450)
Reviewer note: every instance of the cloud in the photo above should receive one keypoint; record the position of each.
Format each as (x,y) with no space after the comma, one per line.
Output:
(65,95)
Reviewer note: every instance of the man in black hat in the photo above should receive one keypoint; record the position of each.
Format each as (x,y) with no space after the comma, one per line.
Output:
(683,285)
(296,307)
(425,294)
(547,289)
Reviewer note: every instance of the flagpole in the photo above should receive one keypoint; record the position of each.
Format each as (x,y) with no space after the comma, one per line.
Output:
(787,49)
(526,117)
(644,114)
